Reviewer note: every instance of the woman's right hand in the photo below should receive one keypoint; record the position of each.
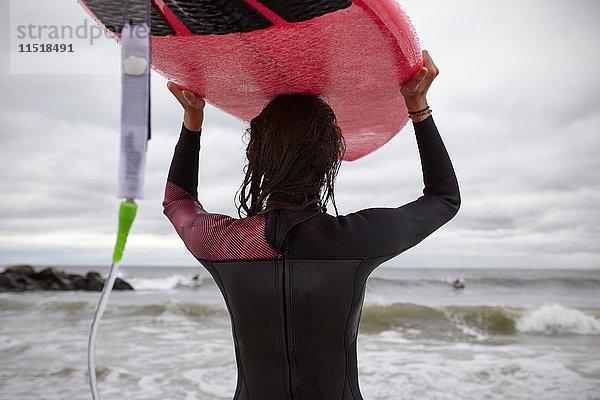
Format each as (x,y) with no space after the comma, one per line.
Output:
(192,104)
(415,90)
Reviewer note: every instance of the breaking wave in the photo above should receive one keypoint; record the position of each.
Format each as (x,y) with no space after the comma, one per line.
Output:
(478,321)
(412,320)
(168,283)
(556,319)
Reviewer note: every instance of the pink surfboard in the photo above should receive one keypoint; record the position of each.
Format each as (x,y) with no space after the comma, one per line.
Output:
(239,54)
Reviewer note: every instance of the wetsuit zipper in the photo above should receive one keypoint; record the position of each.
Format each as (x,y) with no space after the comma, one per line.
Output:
(285,329)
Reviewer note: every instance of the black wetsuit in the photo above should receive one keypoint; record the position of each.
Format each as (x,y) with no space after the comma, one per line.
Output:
(294,281)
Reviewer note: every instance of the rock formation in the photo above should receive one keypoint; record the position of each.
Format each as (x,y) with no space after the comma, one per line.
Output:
(23,278)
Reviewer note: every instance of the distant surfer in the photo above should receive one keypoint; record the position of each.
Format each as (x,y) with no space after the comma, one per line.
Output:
(293,277)
(458,284)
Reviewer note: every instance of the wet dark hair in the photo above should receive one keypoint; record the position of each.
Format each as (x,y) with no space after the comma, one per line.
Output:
(294,152)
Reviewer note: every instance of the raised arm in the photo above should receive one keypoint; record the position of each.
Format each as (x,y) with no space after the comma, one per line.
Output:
(181,204)
(208,236)
(381,233)
(411,223)
(441,198)
(183,174)
(438,174)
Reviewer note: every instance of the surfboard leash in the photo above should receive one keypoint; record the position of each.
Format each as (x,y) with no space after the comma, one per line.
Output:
(135,133)
(127,211)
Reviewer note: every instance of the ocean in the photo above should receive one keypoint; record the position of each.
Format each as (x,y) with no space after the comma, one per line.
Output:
(509,334)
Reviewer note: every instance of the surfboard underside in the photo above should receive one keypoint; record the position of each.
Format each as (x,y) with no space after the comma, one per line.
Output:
(240,54)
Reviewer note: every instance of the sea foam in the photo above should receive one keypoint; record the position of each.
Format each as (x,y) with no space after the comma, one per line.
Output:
(557,319)
(165,283)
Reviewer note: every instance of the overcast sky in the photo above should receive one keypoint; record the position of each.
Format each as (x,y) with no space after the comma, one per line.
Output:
(517,102)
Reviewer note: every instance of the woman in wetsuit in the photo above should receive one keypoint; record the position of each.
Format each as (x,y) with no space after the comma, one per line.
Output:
(293,277)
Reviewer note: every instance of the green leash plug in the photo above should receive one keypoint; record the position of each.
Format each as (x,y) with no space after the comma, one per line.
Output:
(127,213)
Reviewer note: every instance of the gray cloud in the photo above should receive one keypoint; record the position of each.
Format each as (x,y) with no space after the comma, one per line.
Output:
(516,102)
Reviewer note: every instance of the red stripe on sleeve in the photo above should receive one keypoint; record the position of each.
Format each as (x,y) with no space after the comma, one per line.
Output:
(215,237)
